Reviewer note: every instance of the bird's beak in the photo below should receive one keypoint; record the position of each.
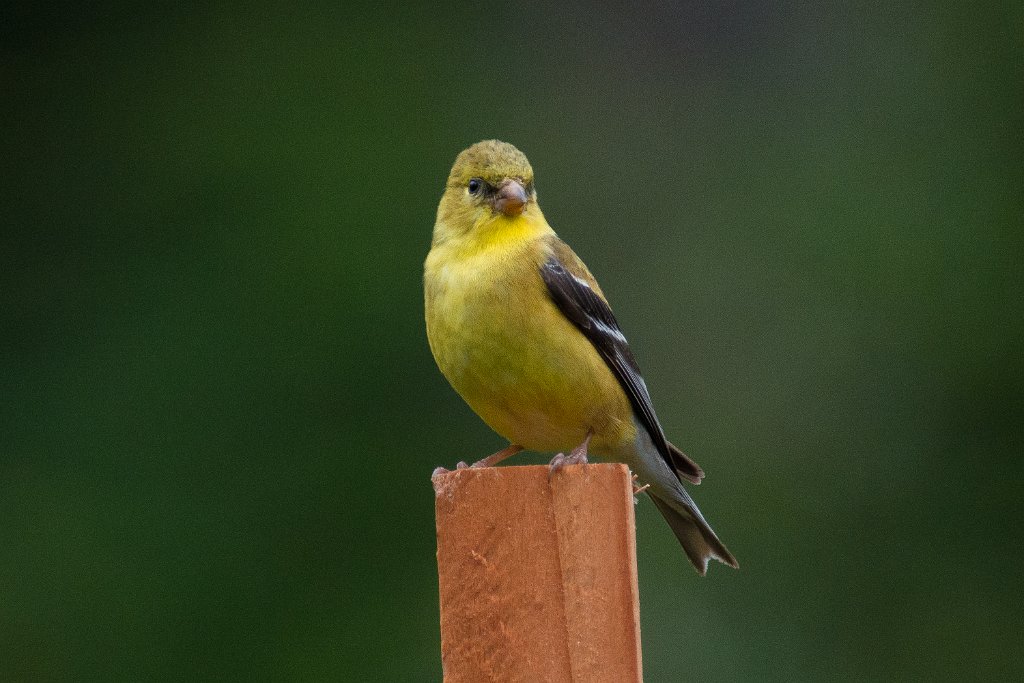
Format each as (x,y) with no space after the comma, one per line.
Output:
(511,198)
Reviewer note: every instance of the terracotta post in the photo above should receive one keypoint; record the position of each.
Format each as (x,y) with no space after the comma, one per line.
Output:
(538,575)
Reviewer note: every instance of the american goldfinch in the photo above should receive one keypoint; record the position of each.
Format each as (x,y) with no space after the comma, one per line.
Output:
(522,331)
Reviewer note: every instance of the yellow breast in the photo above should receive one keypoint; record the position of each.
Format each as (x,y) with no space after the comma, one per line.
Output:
(511,354)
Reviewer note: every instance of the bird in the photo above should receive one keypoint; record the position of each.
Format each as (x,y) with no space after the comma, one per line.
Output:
(524,334)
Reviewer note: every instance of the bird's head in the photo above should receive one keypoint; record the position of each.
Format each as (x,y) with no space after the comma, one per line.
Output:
(490,182)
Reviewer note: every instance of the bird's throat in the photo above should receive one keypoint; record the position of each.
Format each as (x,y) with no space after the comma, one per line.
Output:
(500,230)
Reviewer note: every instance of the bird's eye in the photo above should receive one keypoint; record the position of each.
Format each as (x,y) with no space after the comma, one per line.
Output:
(474,185)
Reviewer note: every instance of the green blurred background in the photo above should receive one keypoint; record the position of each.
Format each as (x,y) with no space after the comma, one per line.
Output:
(220,413)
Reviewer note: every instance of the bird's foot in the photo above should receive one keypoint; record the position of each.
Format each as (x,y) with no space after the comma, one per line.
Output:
(577,456)
(490,461)
(460,465)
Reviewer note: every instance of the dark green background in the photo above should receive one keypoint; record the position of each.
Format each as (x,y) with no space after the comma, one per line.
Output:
(220,414)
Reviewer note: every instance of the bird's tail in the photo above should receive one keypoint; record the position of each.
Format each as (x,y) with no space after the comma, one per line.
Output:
(694,534)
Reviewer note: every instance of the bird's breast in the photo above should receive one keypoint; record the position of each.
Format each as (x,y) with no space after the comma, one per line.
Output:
(511,354)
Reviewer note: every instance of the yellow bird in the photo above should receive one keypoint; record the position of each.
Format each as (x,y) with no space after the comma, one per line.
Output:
(522,331)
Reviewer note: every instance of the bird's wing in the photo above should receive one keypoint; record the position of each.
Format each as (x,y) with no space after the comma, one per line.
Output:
(577,294)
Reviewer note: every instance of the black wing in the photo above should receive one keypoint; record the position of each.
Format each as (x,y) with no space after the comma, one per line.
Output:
(589,312)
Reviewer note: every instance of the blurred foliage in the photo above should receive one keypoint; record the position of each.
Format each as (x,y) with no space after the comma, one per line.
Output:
(219,411)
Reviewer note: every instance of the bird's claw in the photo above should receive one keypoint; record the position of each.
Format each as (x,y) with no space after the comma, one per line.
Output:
(577,456)
(461,465)
(561,460)
(557,463)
